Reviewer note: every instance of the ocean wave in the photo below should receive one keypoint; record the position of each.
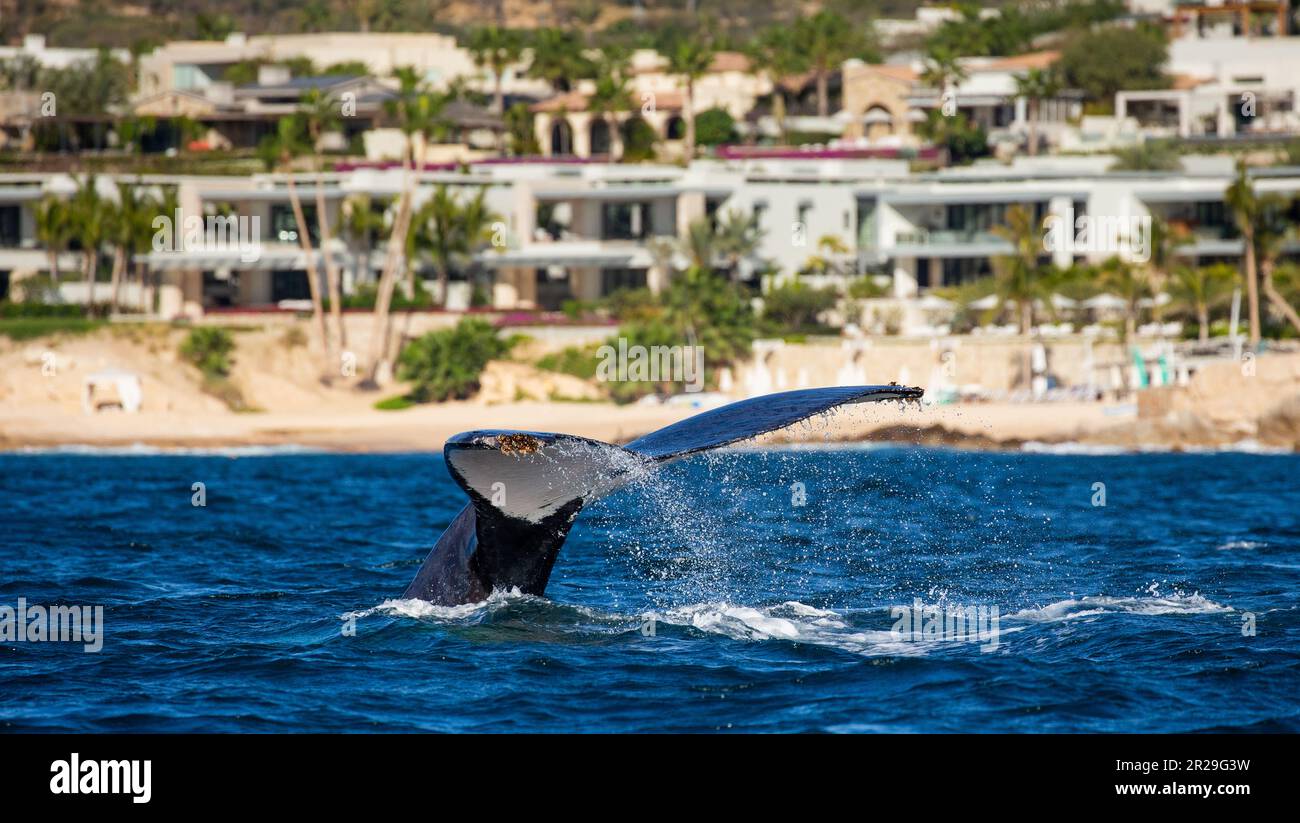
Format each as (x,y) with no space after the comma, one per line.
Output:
(1232,545)
(146,450)
(1090,606)
(787,622)
(793,622)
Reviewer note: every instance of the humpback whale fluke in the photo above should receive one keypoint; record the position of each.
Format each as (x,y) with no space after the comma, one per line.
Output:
(526,488)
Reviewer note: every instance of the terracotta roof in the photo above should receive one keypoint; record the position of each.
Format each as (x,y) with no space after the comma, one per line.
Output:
(569,101)
(577,101)
(729,61)
(1022,62)
(903,73)
(1182,82)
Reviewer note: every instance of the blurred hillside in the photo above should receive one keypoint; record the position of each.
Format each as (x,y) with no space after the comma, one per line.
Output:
(140,24)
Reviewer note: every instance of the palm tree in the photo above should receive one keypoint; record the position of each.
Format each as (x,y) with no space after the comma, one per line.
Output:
(557,58)
(495,48)
(1241,199)
(361,224)
(690,61)
(53,230)
(1165,241)
(610,95)
(737,237)
(828,40)
(90,223)
(278,151)
(1018,278)
(1200,286)
(320,114)
(1270,232)
(777,51)
(419,113)
(699,245)
(129,230)
(450,230)
(943,71)
(1131,283)
(1022,278)
(1035,86)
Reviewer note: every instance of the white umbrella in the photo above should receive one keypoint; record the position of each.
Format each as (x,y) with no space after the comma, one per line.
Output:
(932,302)
(917,116)
(1105,302)
(877,116)
(1060,301)
(985,303)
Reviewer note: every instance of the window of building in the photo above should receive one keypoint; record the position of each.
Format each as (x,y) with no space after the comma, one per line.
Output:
(626,221)
(618,279)
(10,226)
(284,228)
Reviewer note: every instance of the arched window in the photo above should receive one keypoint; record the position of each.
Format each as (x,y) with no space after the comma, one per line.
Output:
(561,138)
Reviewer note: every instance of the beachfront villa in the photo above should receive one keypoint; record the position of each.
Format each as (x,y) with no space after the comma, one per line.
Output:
(570,230)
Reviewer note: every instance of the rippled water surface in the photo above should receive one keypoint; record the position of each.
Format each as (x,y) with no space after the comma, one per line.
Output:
(706,599)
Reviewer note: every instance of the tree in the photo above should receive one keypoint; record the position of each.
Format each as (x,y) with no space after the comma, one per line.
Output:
(1130,282)
(1112,59)
(828,40)
(1036,86)
(278,151)
(943,72)
(1201,286)
(1018,278)
(495,48)
(129,231)
(610,95)
(714,127)
(419,113)
(519,128)
(321,114)
(53,229)
(737,237)
(963,141)
(1272,229)
(777,50)
(90,223)
(449,230)
(361,225)
(690,61)
(558,58)
(1245,206)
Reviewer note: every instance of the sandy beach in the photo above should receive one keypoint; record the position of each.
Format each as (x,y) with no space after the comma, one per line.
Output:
(42,404)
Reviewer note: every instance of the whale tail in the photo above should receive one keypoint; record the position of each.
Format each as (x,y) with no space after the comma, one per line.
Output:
(527,488)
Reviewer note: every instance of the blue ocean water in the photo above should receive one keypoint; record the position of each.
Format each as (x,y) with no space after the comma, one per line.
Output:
(740,591)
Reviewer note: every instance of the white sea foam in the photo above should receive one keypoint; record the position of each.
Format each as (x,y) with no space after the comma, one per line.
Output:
(1155,604)
(1233,545)
(795,622)
(791,622)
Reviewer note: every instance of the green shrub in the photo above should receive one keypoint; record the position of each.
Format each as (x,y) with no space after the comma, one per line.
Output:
(209,348)
(396,403)
(447,364)
(715,127)
(28,328)
(579,362)
(795,305)
(30,308)
(865,288)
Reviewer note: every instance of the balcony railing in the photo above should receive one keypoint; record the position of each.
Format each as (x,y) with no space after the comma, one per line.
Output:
(946,237)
